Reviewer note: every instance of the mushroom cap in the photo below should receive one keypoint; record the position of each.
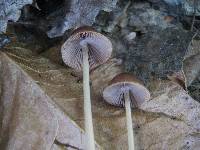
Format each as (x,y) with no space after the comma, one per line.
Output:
(99,48)
(125,82)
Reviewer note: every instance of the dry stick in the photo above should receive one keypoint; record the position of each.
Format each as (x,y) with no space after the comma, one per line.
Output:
(66,145)
(129,121)
(87,100)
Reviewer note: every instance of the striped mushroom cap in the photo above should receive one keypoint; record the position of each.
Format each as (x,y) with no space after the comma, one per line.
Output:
(99,48)
(124,82)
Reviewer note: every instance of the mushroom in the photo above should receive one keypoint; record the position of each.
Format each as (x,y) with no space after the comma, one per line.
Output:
(126,90)
(84,50)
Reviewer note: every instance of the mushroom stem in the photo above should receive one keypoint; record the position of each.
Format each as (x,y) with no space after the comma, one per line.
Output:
(129,121)
(87,101)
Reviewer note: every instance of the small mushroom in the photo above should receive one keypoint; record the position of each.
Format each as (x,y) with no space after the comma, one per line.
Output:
(84,50)
(125,90)
(83,39)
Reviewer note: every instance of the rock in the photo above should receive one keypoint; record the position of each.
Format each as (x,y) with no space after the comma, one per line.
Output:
(157,53)
(80,13)
(141,17)
(130,36)
(10,10)
(136,15)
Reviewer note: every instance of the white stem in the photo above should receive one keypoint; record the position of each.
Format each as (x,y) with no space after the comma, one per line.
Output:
(129,122)
(87,102)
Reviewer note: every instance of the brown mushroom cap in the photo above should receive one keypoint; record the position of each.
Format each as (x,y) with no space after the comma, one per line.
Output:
(124,82)
(82,29)
(99,48)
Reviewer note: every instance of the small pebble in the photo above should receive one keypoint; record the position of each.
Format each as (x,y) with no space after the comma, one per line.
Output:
(130,36)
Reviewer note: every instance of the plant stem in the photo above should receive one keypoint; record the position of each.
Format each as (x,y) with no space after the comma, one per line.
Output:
(87,102)
(129,121)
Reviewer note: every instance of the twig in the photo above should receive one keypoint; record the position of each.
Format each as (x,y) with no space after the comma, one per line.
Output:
(66,145)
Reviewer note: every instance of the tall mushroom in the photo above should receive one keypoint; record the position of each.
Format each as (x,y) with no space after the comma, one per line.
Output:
(84,50)
(126,90)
